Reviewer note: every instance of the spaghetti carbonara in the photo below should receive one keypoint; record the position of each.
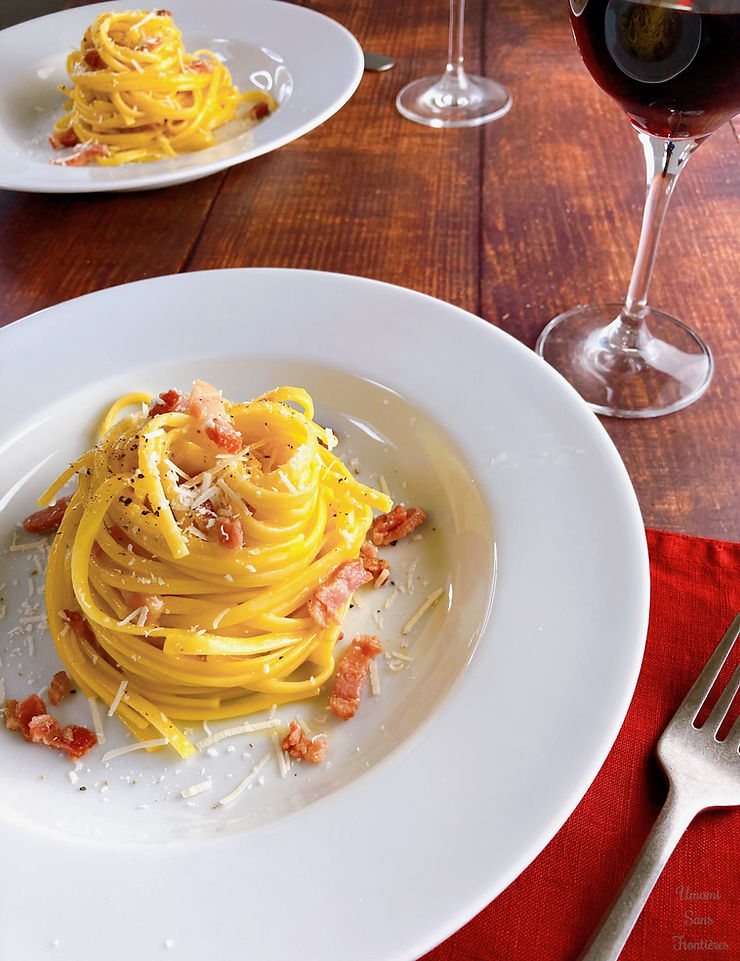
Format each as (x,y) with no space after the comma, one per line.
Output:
(206,560)
(136,95)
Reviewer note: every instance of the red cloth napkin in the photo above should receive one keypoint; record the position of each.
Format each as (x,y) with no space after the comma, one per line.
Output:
(550,910)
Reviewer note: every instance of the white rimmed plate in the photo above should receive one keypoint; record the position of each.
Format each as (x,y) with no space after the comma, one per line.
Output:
(308,62)
(468,762)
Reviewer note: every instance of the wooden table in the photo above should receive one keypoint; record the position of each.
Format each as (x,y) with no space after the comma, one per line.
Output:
(515,221)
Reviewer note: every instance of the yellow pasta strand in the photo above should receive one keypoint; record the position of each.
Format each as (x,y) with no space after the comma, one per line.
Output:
(186,558)
(136,95)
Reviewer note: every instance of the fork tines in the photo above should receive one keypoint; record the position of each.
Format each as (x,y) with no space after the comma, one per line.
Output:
(703,685)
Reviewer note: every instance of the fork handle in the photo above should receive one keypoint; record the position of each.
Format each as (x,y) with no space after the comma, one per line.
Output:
(609,938)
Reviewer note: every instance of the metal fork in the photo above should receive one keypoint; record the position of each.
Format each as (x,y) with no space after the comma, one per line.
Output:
(702,773)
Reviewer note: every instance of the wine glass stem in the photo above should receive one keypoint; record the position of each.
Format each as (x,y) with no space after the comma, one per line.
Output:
(455,55)
(664,161)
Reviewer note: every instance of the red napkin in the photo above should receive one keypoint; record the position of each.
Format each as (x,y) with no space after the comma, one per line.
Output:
(550,910)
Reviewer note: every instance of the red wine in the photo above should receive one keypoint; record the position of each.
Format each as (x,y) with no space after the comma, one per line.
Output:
(675,72)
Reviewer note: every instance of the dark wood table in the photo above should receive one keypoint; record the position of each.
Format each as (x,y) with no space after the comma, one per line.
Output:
(515,221)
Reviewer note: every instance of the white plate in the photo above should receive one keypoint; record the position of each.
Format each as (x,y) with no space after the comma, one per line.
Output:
(309,63)
(445,786)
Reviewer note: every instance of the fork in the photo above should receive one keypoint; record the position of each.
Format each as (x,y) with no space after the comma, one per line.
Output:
(703,772)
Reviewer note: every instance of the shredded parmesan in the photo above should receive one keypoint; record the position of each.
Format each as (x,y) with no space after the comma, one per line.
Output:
(384,576)
(117,699)
(249,727)
(247,780)
(372,670)
(139,746)
(431,599)
(196,788)
(217,619)
(280,754)
(24,545)
(402,657)
(133,615)
(97,720)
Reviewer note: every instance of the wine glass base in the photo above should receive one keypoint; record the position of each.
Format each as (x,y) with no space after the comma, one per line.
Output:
(670,369)
(451,101)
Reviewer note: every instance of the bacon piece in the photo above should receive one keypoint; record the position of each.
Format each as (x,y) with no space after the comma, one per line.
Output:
(169,402)
(373,564)
(351,673)
(60,687)
(80,626)
(206,405)
(163,13)
(82,629)
(302,747)
(63,138)
(73,739)
(225,529)
(223,435)
(48,518)
(259,111)
(83,154)
(30,717)
(230,532)
(18,714)
(397,523)
(200,66)
(153,603)
(336,590)
(93,59)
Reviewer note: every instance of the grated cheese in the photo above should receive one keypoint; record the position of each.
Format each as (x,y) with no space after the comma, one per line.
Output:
(117,699)
(217,619)
(384,576)
(139,746)
(280,754)
(97,720)
(131,616)
(249,727)
(372,671)
(400,656)
(23,545)
(247,780)
(196,788)
(431,599)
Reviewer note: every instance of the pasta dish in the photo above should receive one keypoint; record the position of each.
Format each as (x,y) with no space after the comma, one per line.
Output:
(136,95)
(206,559)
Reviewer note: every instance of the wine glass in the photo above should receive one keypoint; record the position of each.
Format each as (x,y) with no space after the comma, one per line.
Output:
(674,67)
(456,99)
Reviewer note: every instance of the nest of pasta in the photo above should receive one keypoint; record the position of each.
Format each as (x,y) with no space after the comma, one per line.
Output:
(184,582)
(136,95)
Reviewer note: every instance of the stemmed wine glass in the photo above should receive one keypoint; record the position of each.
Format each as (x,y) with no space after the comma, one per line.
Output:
(674,66)
(456,99)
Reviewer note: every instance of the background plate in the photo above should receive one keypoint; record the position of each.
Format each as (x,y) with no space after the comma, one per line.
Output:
(309,63)
(470,763)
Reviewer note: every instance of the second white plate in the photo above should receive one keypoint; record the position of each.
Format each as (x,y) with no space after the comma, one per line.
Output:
(308,62)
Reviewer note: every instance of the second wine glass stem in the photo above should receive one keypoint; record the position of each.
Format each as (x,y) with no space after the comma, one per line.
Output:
(664,161)
(455,48)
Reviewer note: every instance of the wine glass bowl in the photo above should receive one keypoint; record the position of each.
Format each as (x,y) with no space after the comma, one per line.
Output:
(674,67)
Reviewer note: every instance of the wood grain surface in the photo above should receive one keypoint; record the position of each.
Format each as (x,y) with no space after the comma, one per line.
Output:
(516,221)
